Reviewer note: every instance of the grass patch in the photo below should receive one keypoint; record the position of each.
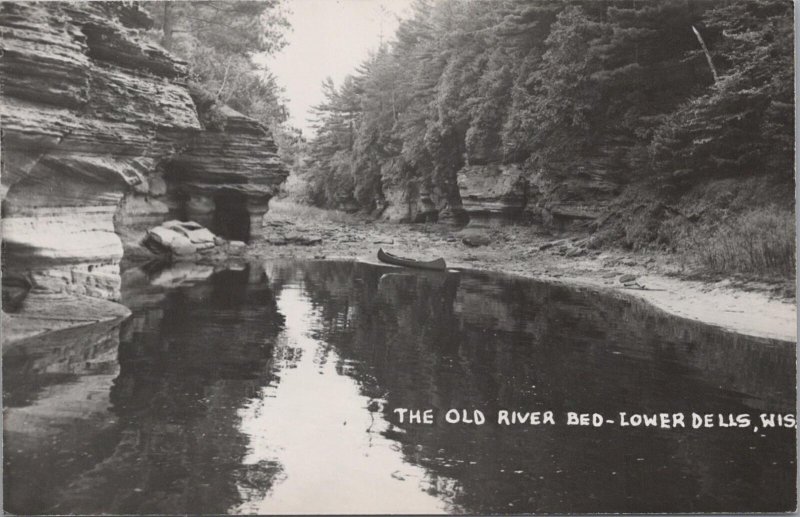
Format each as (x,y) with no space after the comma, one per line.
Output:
(293,211)
(758,242)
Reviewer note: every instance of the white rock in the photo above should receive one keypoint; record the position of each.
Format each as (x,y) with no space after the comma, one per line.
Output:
(177,243)
(195,233)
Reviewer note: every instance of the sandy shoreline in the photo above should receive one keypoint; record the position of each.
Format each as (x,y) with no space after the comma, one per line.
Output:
(752,309)
(750,313)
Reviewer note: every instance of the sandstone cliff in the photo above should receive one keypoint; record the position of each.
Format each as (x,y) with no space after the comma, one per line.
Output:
(499,192)
(490,190)
(102,137)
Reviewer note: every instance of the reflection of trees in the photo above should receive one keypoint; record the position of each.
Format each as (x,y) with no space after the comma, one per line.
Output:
(190,359)
(490,343)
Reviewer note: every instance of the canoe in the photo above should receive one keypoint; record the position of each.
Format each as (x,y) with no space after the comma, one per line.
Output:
(388,258)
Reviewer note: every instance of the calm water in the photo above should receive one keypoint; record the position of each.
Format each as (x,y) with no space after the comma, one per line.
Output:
(272,389)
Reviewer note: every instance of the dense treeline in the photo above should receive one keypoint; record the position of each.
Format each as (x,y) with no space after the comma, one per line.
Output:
(666,90)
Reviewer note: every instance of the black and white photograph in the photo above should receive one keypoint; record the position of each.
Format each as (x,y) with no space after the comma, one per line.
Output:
(393,257)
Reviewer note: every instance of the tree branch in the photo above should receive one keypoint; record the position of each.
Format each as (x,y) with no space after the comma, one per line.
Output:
(224,77)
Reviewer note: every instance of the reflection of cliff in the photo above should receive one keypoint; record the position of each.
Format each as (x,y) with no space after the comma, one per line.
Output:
(489,343)
(189,358)
(56,400)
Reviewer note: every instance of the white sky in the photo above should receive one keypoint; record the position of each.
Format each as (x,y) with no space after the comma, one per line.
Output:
(329,38)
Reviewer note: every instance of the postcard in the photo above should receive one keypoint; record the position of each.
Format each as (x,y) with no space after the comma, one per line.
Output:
(392,257)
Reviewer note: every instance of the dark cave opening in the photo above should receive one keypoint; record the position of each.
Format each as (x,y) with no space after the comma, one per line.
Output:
(231,218)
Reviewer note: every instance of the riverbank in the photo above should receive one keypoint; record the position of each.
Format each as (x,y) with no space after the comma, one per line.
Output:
(749,307)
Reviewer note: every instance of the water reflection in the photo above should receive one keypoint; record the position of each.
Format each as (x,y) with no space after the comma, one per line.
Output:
(325,434)
(56,419)
(271,389)
(477,341)
(190,357)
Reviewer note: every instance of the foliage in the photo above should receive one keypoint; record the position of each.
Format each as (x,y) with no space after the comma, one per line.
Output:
(745,123)
(760,241)
(289,210)
(620,87)
(219,39)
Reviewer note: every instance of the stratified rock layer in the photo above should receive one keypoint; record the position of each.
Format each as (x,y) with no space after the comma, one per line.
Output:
(498,192)
(226,178)
(88,109)
(493,189)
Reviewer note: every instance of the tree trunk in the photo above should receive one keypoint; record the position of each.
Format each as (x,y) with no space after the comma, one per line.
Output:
(707,53)
(168,26)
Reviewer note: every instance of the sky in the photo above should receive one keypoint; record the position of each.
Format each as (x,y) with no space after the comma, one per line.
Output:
(329,38)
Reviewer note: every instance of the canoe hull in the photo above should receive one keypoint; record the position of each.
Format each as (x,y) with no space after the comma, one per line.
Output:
(434,265)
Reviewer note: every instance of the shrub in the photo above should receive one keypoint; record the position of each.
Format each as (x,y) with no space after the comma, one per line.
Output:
(760,241)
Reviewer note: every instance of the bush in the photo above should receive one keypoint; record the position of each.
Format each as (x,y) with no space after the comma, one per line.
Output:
(296,189)
(759,241)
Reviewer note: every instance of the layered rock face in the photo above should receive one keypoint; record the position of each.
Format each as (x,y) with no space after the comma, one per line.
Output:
(406,207)
(226,178)
(496,193)
(88,109)
(570,203)
(100,136)
(488,190)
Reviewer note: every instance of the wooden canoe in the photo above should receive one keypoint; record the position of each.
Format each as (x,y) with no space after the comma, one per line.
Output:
(388,258)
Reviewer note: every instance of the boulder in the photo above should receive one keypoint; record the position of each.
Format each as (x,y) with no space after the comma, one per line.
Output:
(474,240)
(185,238)
(201,237)
(575,252)
(171,241)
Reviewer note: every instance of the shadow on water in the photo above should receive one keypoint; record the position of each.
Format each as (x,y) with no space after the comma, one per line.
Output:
(272,389)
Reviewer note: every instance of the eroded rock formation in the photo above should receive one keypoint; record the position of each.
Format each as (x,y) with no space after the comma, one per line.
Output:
(88,109)
(228,175)
(404,206)
(102,138)
(493,190)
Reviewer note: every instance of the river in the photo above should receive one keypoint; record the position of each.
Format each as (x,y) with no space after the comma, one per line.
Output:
(272,388)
